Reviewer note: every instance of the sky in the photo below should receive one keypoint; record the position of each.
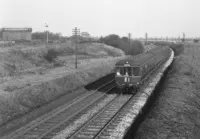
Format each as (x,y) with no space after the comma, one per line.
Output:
(103,17)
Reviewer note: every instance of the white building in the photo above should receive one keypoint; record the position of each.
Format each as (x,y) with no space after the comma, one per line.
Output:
(14,34)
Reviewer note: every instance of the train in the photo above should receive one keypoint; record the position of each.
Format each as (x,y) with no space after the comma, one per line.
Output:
(132,72)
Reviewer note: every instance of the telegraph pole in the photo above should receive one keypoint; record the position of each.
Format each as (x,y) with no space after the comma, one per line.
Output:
(179,40)
(76,33)
(146,37)
(129,38)
(183,37)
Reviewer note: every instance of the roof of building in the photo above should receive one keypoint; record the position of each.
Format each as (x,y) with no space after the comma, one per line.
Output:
(16,29)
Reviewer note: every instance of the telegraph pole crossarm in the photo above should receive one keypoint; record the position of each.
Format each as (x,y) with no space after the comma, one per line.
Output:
(76,33)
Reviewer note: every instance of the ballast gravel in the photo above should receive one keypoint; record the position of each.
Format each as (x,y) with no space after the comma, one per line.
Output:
(84,118)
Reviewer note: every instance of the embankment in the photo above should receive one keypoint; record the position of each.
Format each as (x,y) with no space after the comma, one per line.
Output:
(21,100)
(176,112)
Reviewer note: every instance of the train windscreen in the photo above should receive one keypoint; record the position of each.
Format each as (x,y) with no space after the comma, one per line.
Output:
(120,71)
(129,71)
(124,71)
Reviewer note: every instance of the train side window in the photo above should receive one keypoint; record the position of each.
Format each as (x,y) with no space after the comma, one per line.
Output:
(128,71)
(141,71)
(136,71)
(122,71)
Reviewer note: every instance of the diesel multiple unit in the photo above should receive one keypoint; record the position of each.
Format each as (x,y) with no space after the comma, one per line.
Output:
(132,72)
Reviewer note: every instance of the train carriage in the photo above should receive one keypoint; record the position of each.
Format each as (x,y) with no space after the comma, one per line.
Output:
(132,72)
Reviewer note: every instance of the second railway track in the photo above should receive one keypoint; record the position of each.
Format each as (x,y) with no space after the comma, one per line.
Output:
(92,115)
(53,122)
(100,121)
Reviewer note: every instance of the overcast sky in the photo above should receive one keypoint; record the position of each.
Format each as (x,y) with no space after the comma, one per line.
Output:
(103,17)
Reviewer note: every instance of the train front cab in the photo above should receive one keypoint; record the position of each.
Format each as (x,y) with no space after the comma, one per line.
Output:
(127,77)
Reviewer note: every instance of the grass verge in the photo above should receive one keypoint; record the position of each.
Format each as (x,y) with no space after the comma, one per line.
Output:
(16,101)
(176,112)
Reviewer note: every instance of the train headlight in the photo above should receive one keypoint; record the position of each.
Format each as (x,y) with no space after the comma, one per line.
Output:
(117,73)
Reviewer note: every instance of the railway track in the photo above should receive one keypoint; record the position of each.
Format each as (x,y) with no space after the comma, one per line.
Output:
(99,123)
(59,118)
(109,122)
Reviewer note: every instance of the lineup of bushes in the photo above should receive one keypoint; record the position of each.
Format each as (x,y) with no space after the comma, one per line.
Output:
(51,36)
(133,47)
(17,61)
(178,48)
(196,40)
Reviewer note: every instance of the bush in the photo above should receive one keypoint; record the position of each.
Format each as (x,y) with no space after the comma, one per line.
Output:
(112,40)
(51,55)
(135,48)
(10,68)
(14,62)
(52,36)
(177,48)
(196,40)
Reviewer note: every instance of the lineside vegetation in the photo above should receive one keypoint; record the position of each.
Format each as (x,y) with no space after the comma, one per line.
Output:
(176,112)
(135,47)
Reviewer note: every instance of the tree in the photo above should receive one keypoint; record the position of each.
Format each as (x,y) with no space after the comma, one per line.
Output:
(112,40)
(123,44)
(125,39)
(52,36)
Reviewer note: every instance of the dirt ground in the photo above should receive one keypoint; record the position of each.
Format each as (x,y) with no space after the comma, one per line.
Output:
(176,112)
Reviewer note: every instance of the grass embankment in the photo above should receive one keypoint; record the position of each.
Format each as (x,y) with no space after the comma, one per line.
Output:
(29,79)
(176,113)
(32,76)
(20,60)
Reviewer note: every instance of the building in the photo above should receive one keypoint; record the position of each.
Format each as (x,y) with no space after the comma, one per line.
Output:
(16,34)
(85,34)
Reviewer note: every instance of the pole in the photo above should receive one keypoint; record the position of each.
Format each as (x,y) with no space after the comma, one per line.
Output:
(146,37)
(76,33)
(129,38)
(47,37)
(76,51)
(46,25)
(183,37)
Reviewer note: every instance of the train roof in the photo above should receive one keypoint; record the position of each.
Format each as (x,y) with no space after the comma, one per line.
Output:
(141,59)
(136,61)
